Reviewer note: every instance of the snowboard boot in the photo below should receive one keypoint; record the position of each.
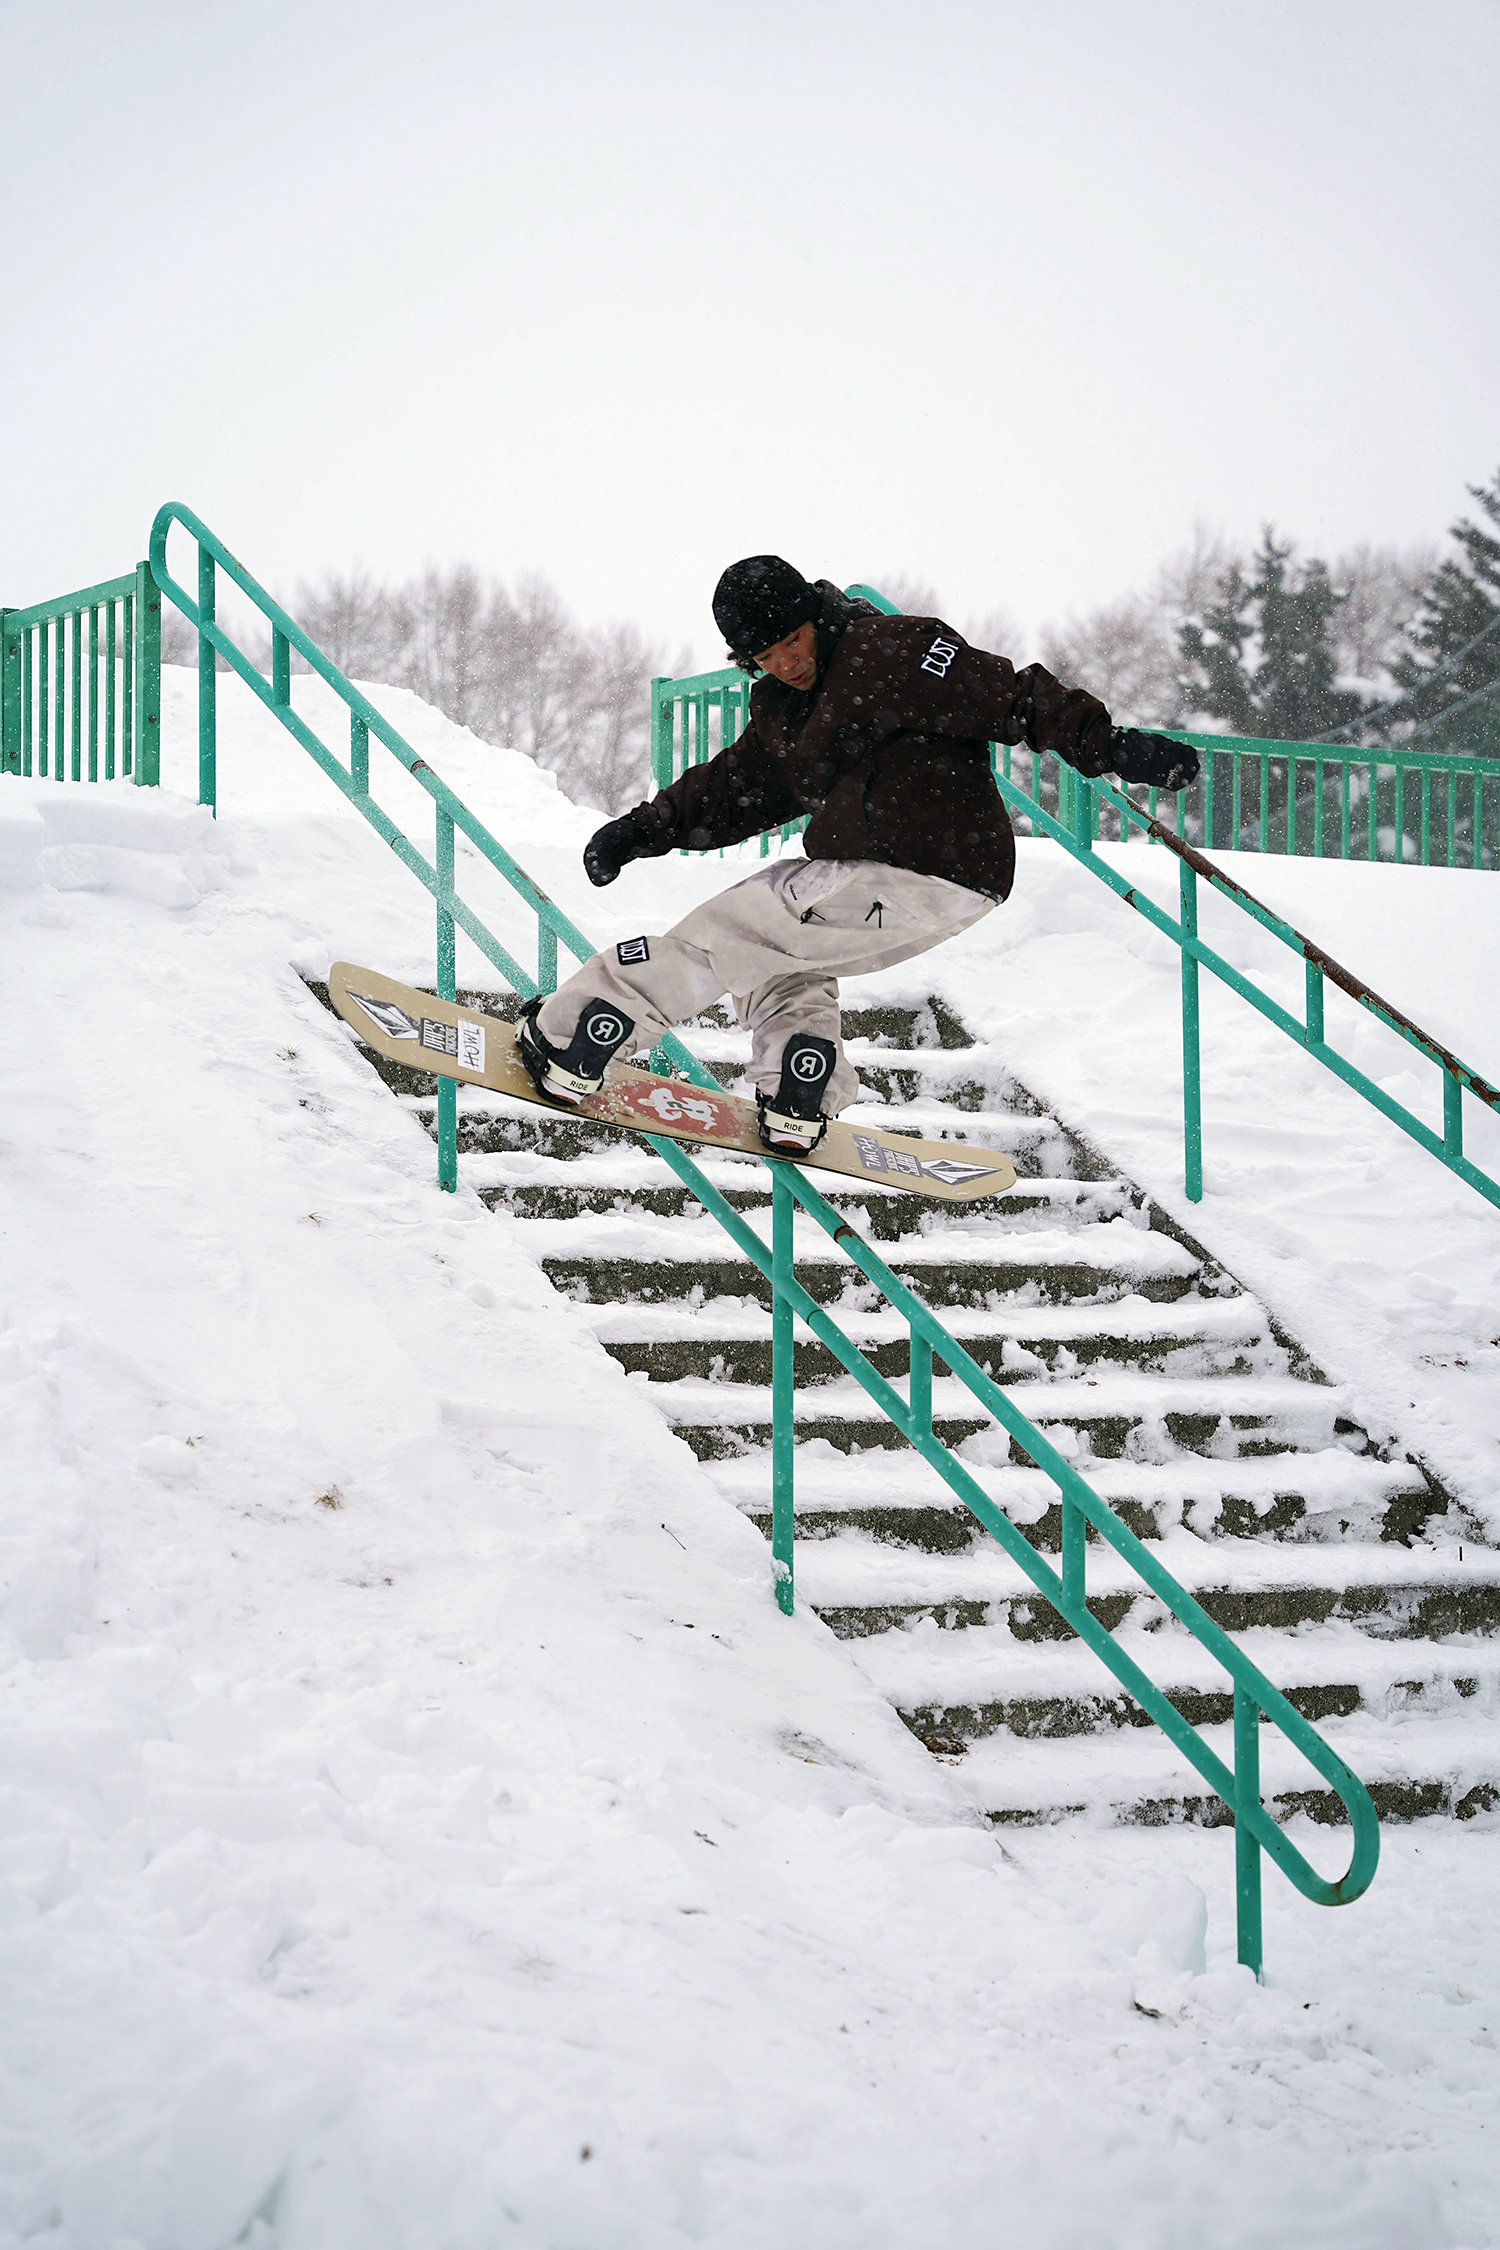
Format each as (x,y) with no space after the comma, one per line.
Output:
(791,1120)
(568,1075)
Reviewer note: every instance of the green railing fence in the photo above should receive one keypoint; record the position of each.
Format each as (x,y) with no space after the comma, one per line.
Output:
(1077,830)
(1254,1700)
(80,684)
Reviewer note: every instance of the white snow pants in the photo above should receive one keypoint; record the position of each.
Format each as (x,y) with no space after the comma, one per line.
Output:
(777,943)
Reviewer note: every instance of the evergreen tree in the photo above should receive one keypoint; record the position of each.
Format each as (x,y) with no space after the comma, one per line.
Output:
(1455,643)
(1261,657)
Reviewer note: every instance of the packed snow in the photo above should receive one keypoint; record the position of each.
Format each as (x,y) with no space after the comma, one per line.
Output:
(418,1826)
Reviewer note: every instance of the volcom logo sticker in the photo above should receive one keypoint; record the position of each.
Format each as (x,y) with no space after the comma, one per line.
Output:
(387,1018)
(939,657)
(604,1029)
(953,1174)
(632,949)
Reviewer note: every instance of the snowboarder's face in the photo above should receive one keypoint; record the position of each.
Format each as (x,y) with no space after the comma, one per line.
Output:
(793,661)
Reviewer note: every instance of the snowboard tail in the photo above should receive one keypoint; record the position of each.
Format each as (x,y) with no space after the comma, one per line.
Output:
(409,1026)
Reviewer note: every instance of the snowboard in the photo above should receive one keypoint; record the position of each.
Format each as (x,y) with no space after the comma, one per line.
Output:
(409,1026)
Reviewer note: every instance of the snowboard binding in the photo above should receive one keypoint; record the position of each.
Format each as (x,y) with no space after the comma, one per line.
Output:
(568,1075)
(791,1121)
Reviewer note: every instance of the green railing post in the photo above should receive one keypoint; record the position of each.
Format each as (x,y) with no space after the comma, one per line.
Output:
(208,687)
(1074,1538)
(447,968)
(783,1405)
(1453,1114)
(93,691)
(919,1388)
(1247,1868)
(109,691)
(10,696)
(281,667)
(359,754)
(546,956)
(1192,1086)
(75,732)
(146,728)
(661,733)
(1313,987)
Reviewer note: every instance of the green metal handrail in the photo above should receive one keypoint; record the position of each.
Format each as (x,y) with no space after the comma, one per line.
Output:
(1253,1697)
(1458,1078)
(42,707)
(1274,816)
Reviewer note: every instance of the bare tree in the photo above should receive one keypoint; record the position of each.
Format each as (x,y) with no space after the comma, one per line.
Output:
(436,641)
(912,596)
(1382,588)
(351,619)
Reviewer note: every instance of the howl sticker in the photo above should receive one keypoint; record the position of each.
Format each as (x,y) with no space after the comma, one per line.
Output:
(632,949)
(876,1157)
(391,1021)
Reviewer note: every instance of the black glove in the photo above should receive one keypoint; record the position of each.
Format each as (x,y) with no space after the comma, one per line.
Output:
(612,847)
(1155,759)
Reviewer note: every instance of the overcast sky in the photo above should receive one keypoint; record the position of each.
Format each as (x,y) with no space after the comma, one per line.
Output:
(1005,296)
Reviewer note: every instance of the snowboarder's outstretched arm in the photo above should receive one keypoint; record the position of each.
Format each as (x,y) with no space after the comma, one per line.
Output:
(731,797)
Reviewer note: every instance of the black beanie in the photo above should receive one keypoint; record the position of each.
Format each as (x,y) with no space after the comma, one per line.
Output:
(759,601)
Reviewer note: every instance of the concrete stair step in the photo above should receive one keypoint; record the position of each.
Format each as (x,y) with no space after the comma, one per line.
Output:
(1413,1767)
(886,1496)
(863,1587)
(953,1688)
(1224,1418)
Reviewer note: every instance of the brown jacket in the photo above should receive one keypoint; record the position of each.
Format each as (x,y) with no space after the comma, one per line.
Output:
(888,751)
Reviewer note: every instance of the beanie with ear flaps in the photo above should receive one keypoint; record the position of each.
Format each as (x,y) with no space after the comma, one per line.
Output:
(759,601)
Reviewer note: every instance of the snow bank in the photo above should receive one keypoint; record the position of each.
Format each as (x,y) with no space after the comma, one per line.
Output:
(417,1825)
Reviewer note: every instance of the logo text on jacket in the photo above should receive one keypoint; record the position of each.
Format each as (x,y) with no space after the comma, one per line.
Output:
(939,657)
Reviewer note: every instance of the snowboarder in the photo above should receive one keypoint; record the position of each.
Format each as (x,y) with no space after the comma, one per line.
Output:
(879,728)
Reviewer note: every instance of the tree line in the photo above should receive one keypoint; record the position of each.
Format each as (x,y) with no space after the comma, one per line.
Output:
(1378,645)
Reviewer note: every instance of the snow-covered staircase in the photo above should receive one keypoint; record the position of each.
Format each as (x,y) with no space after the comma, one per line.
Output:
(1352,1582)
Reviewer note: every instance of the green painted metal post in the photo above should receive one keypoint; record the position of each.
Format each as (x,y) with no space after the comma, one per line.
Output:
(147,726)
(1074,1537)
(208,688)
(1192,1085)
(75,731)
(546,956)
(920,1388)
(1246,1849)
(109,690)
(281,668)
(10,697)
(93,691)
(783,1389)
(1313,988)
(1453,1114)
(447,1088)
(127,684)
(26,702)
(661,733)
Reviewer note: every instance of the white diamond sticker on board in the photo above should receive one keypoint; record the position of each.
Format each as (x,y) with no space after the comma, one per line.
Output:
(953,1174)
